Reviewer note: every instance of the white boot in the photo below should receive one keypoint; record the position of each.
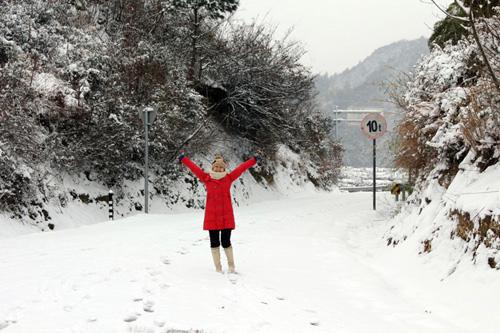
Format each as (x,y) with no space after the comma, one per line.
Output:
(230,258)
(216,257)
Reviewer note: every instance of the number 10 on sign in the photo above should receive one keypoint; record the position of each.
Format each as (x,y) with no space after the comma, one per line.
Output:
(374,126)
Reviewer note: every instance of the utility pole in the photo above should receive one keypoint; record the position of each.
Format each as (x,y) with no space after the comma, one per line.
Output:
(336,122)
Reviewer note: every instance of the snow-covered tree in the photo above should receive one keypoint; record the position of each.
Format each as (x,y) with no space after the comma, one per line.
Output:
(76,74)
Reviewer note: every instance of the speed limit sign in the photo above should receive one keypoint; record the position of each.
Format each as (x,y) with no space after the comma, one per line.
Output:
(374,125)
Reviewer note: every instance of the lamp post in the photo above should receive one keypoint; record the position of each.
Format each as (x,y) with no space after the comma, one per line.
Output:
(148,115)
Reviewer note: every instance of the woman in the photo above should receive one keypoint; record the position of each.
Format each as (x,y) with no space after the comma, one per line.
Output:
(219,217)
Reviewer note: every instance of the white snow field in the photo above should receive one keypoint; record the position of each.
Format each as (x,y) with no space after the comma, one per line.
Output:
(317,263)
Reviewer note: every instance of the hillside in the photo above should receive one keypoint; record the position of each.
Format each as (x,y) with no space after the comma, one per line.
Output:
(448,140)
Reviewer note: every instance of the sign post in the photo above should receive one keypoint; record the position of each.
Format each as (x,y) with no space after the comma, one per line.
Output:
(374,126)
(374,174)
(148,115)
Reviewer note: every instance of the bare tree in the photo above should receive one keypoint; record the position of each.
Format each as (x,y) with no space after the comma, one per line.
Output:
(198,11)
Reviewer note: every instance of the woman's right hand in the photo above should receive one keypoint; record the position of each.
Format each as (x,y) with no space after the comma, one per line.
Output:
(258,156)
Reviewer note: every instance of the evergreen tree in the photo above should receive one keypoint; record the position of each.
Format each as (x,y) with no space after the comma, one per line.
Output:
(452,29)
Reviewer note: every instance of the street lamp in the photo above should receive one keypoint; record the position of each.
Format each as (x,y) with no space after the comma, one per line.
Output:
(148,115)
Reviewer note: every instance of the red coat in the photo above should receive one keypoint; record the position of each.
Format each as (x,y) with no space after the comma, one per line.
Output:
(218,209)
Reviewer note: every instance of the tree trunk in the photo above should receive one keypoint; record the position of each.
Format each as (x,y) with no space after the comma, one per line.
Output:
(194,42)
(481,49)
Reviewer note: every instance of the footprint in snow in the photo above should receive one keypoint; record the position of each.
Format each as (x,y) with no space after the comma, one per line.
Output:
(147,290)
(86,249)
(165,260)
(198,242)
(130,318)
(116,270)
(5,323)
(262,324)
(154,272)
(233,279)
(148,306)
(68,308)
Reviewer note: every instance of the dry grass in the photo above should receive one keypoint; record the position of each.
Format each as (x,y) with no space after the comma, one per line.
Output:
(478,135)
(473,126)
(465,226)
(486,230)
(427,245)
(411,151)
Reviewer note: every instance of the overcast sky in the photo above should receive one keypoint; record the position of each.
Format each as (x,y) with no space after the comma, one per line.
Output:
(337,34)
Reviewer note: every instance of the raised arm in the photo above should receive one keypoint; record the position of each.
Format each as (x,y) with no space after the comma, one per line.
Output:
(242,168)
(198,172)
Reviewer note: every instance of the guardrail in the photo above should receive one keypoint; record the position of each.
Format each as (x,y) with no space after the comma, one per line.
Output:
(364,188)
(396,189)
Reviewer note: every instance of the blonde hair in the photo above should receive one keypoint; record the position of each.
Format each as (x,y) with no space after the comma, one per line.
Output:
(219,161)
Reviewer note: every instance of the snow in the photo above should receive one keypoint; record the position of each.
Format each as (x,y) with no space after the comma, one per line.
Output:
(432,220)
(474,192)
(64,49)
(316,262)
(47,83)
(115,118)
(352,177)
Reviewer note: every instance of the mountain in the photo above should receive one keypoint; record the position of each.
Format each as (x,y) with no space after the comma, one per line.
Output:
(361,87)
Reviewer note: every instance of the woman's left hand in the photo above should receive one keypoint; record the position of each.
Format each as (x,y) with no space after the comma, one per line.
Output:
(181,156)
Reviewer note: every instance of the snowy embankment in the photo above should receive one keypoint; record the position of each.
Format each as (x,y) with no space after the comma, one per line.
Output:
(454,225)
(316,263)
(72,200)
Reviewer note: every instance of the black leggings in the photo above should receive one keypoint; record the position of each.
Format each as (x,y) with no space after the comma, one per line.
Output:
(225,238)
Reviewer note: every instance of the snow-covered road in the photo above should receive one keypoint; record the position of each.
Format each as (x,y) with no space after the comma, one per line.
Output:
(312,264)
